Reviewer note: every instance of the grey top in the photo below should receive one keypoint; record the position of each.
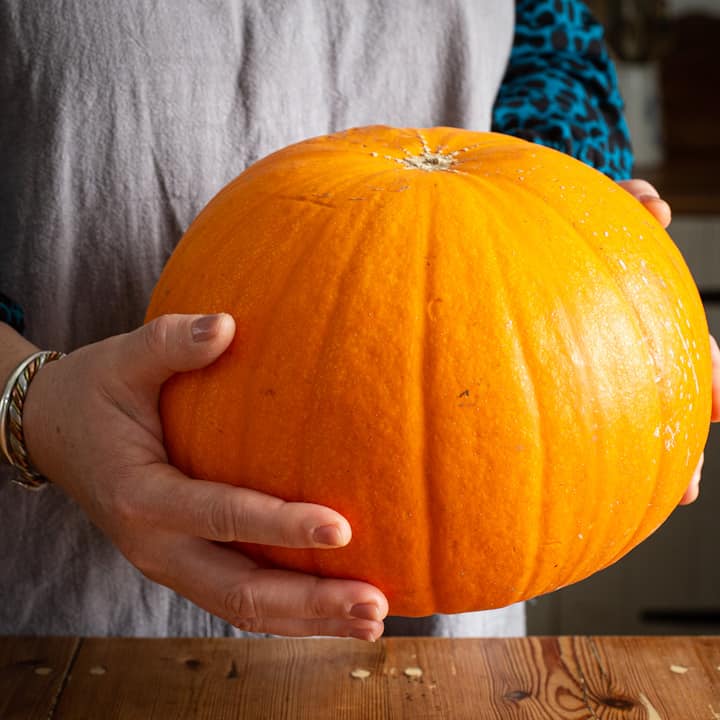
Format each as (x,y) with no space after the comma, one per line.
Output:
(119,121)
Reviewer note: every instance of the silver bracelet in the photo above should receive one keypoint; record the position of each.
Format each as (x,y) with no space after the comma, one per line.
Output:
(12,400)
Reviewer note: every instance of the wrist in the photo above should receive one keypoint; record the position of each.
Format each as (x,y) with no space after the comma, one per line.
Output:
(37,421)
(20,362)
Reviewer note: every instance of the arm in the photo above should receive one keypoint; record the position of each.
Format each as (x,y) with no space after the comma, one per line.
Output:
(560,87)
(91,425)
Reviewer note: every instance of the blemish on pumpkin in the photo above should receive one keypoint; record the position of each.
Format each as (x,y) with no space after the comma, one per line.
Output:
(432,305)
(310,200)
(464,393)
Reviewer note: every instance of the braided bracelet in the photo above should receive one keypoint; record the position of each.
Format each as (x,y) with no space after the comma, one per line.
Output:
(12,400)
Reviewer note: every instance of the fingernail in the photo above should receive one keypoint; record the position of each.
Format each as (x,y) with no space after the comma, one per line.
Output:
(328,535)
(365,611)
(205,327)
(646,197)
(362,635)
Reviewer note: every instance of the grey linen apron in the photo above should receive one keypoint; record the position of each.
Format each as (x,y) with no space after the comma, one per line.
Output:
(118,122)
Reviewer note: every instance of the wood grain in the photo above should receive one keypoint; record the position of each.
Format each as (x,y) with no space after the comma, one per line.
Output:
(548,678)
(32,675)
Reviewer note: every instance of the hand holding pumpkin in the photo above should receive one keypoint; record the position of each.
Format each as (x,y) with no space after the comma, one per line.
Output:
(650,198)
(92,426)
(105,449)
(693,490)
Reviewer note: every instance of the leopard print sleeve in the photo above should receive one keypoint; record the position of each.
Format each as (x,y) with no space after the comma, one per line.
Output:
(560,87)
(11,313)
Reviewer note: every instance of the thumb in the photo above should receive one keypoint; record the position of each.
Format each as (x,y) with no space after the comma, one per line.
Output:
(176,343)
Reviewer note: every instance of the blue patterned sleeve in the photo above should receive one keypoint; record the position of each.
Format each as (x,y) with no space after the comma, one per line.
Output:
(11,313)
(560,87)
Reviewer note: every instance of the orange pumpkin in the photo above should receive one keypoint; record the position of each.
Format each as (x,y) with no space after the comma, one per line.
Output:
(488,356)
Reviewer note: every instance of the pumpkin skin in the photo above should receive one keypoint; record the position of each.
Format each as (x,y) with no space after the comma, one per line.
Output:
(485,354)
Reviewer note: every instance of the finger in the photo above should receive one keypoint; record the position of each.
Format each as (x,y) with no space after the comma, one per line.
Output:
(216,511)
(638,187)
(170,344)
(715,355)
(231,586)
(358,629)
(693,489)
(691,494)
(659,208)
(646,193)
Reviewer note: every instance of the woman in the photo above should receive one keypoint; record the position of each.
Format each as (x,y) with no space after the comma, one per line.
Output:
(122,120)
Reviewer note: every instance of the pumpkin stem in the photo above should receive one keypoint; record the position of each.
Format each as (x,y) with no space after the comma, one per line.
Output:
(429,161)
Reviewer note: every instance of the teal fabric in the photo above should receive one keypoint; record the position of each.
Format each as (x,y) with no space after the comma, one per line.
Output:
(560,88)
(11,313)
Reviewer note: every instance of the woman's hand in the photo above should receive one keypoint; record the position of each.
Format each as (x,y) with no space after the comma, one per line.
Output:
(92,426)
(693,489)
(643,191)
(651,199)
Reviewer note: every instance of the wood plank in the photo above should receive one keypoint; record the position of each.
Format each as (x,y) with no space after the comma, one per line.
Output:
(32,675)
(657,677)
(572,678)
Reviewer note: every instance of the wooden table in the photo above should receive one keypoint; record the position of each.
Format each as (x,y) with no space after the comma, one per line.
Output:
(608,678)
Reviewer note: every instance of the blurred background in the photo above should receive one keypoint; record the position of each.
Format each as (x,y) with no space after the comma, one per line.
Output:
(668,61)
